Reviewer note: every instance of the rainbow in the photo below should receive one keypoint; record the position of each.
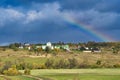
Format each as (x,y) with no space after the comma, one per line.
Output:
(87,29)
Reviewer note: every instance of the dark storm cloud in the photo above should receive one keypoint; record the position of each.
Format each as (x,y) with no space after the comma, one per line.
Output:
(44,20)
(22,2)
(81,5)
(78,4)
(109,6)
(100,5)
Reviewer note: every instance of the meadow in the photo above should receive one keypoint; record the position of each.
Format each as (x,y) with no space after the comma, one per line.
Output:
(3,77)
(68,74)
(77,74)
(107,59)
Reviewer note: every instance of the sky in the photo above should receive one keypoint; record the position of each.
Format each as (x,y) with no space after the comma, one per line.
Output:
(38,21)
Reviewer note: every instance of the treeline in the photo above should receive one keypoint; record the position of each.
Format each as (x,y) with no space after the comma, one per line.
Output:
(114,47)
(88,44)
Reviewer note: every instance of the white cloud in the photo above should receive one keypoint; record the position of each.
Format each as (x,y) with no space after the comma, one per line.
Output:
(48,18)
(47,11)
(32,16)
(51,12)
(9,15)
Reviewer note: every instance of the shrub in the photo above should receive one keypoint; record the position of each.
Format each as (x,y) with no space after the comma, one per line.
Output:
(15,49)
(98,62)
(4,49)
(48,49)
(83,65)
(116,65)
(49,63)
(11,71)
(73,63)
(27,72)
(6,66)
(59,64)
(42,66)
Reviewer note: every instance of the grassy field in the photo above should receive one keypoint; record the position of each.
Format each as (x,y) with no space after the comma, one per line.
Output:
(64,74)
(19,78)
(10,55)
(78,74)
(3,77)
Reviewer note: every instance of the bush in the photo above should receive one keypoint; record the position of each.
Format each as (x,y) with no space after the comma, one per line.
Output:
(61,64)
(27,72)
(98,62)
(48,49)
(42,66)
(49,63)
(11,71)
(116,65)
(4,49)
(73,63)
(6,66)
(15,49)
(83,65)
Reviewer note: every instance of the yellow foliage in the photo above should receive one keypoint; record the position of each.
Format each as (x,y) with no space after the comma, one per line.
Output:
(11,71)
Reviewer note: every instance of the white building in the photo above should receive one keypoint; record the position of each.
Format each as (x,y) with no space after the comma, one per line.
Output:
(87,51)
(43,47)
(21,47)
(48,44)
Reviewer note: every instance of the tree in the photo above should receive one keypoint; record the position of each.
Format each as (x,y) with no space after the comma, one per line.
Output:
(116,49)
(82,48)
(14,46)
(48,50)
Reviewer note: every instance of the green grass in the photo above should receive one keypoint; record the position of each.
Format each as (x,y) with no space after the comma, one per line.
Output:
(35,60)
(26,59)
(82,77)
(19,78)
(1,78)
(66,74)
(78,74)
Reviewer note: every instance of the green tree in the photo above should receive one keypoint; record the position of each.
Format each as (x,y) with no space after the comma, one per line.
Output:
(116,49)
(48,50)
